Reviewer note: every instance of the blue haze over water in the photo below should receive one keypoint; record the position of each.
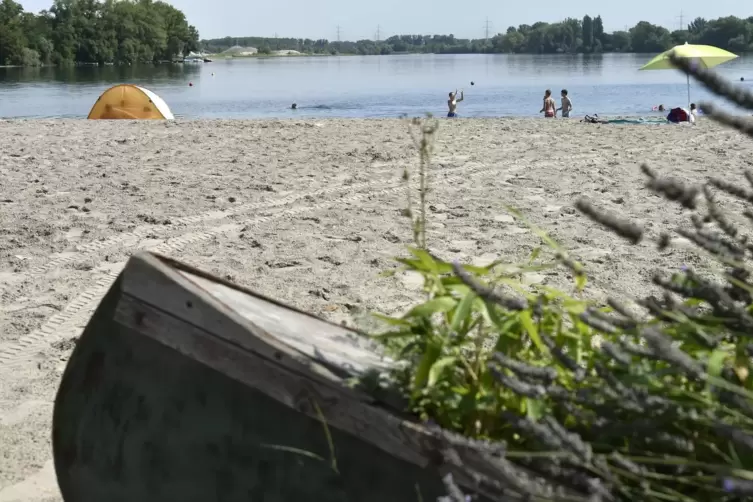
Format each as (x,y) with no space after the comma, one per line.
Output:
(369,86)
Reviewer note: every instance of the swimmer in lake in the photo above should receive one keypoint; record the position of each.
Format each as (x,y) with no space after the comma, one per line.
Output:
(452,103)
(293,106)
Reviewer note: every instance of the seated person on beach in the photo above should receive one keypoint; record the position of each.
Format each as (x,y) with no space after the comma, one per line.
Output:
(678,115)
(452,103)
(693,111)
(550,108)
(567,105)
(594,120)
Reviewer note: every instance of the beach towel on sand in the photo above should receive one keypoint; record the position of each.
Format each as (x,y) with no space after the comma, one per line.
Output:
(594,119)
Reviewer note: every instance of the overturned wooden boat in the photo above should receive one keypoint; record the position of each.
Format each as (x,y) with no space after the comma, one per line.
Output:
(184,387)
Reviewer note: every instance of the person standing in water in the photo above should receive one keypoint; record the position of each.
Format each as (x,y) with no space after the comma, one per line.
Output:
(452,103)
(550,108)
(567,105)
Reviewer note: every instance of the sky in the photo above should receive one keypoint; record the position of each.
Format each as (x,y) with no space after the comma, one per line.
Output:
(465,19)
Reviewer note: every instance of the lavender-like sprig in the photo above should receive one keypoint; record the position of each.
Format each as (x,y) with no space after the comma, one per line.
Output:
(622,227)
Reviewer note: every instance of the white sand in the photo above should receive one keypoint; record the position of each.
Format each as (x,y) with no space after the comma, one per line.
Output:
(304,211)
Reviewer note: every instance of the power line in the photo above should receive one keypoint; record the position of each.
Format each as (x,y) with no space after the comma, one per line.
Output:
(486,29)
(338,32)
(378,34)
(681,17)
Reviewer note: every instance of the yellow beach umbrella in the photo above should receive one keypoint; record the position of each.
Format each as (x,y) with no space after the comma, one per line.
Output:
(705,56)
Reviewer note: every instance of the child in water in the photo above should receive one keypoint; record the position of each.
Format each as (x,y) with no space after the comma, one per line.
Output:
(452,103)
(567,105)
(550,108)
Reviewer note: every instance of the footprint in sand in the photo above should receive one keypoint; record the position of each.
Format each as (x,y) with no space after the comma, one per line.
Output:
(504,218)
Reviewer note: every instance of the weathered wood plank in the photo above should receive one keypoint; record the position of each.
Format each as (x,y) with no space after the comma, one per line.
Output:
(298,391)
(136,420)
(313,337)
(156,283)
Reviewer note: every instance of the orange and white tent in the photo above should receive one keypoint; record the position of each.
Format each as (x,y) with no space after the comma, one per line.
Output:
(132,102)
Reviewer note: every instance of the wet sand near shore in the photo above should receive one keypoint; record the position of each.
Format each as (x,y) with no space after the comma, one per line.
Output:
(307,212)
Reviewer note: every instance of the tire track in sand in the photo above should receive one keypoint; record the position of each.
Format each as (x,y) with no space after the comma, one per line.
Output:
(72,318)
(69,321)
(94,248)
(88,249)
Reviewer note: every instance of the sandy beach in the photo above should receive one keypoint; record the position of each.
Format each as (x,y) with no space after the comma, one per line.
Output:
(307,212)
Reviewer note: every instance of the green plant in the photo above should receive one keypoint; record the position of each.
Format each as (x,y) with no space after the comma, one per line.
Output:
(449,339)
(422,133)
(584,401)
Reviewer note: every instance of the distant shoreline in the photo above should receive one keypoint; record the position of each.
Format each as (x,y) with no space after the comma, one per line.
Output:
(648,118)
(220,57)
(343,54)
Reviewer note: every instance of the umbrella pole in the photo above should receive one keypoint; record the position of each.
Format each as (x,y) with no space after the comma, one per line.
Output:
(688,77)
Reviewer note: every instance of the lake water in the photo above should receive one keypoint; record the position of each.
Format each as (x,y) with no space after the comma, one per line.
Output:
(369,86)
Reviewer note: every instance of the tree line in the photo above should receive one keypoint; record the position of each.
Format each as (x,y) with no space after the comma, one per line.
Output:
(571,36)
(94,32)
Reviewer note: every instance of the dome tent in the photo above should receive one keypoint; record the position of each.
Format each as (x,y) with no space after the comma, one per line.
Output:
(125,101)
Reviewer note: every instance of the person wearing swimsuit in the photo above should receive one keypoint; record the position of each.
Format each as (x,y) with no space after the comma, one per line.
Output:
(452,103)
(567,105)
(550,108)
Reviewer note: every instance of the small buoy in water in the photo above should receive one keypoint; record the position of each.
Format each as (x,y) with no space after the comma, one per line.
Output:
(213,74)
(742,79)
(472,83)
(190,84)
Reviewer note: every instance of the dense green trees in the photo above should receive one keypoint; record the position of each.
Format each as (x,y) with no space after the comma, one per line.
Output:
(129,31)
(585,35)
(93,31)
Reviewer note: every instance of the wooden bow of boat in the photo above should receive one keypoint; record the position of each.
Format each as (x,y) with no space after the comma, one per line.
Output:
(184,387)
